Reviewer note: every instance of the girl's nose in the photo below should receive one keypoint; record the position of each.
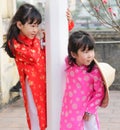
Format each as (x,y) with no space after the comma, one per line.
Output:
(35,29)
(90,54)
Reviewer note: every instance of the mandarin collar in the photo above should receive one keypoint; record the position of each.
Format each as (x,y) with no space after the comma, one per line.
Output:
(82,67)
(27,41)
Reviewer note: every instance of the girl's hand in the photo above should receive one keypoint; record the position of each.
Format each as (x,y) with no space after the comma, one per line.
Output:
(105,100)
(104,103)
(69,15)
(70,20)
(41,34)
(86,116)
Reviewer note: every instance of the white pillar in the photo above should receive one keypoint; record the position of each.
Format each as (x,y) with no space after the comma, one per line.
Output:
(56,46)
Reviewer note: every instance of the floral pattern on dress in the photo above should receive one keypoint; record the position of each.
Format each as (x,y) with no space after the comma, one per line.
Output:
(83,93)
(31,64)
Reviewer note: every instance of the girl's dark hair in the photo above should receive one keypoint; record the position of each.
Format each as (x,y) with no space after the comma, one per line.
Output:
(77,40)
(25,13)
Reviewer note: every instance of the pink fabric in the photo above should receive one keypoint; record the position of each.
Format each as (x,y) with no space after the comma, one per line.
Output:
(84,93)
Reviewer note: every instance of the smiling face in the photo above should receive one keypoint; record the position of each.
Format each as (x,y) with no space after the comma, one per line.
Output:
(83,57)
(27,29)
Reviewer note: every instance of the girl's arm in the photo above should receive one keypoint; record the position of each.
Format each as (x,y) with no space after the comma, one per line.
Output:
(97,95)
(70,20)
(70,25)
(41,33)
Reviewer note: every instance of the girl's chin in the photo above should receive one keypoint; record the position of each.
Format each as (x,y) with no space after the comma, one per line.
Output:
(87,63)
(31,38)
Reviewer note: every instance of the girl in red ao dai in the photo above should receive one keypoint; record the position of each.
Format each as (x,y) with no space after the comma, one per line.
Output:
(23,45)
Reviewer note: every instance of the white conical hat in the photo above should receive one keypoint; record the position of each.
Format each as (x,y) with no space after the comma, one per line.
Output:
(108,74)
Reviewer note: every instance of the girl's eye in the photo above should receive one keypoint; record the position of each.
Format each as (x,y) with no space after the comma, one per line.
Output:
(85,51)
(33,25)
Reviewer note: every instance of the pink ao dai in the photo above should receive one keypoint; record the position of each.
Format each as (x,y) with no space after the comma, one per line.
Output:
(84,93)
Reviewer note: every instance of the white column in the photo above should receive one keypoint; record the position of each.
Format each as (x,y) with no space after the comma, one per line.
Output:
(56,46)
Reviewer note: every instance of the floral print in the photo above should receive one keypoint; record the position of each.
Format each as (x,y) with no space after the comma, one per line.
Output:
(30,60)
(84,93)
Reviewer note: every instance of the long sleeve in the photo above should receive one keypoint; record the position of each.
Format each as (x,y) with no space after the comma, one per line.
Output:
(97,95)
(70,25)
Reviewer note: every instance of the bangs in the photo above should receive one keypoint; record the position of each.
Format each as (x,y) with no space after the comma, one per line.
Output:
(88,46)
(32,16)
(34,19)
(86,43)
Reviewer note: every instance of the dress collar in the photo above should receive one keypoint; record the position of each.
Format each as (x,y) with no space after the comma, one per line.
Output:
(27,41)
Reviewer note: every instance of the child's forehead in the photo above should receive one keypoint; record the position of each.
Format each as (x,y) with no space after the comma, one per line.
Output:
(32,21)
(84,47)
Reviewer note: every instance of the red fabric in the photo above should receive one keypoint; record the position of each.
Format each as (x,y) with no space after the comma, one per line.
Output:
(31,64)
(71,25)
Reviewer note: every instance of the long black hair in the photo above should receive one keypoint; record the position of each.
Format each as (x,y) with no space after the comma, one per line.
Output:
(25,13)
(80,39)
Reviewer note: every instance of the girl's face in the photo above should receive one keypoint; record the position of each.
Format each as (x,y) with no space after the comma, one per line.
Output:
(28,30)
(83,57)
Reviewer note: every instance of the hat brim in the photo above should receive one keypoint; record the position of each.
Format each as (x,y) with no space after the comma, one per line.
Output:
(108,75)
(107,72)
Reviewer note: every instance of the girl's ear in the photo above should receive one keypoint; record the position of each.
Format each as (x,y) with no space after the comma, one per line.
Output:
(19,24)
(73,55)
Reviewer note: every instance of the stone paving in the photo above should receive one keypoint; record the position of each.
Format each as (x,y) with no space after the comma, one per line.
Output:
(110,116)
(12,117)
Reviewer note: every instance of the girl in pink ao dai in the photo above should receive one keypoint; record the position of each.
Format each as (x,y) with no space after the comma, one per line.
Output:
(84,90)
